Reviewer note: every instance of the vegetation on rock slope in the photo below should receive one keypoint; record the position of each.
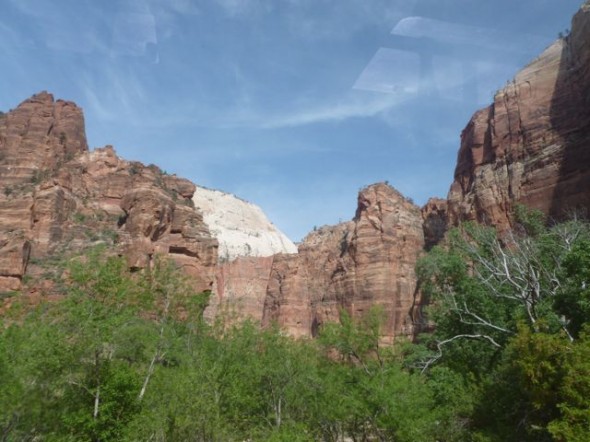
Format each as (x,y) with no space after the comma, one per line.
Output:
(127,356)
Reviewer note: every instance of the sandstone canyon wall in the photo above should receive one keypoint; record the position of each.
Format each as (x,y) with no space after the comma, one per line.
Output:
(532,145)
(58,198)
(354,266)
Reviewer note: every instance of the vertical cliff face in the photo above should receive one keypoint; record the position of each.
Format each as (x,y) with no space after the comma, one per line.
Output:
(36,139)
(240,289)
(366,262)
(58,198)
(570,115)
(532,145)
(302,291)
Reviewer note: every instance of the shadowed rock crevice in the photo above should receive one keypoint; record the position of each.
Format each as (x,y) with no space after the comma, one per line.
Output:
(435,221)
(570,118)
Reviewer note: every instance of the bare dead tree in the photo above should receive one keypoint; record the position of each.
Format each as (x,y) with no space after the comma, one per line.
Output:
(512,270)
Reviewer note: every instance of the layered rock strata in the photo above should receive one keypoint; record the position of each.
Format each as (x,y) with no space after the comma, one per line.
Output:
(353,266)
(58,198)
(532,145)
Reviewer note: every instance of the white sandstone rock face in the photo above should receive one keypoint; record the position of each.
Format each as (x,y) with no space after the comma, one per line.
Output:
(241,228)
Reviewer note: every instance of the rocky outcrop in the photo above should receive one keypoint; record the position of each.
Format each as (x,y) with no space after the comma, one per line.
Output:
(354,266)
(58,198)
(37,137)
(532,145)
(241,228)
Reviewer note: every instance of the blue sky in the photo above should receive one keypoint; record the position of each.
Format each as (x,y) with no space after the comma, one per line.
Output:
(291,104)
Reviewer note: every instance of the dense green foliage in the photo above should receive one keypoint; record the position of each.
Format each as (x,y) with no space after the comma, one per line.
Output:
(509,315)
(127,357)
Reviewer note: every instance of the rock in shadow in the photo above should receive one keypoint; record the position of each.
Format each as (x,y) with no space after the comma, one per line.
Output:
(570,121)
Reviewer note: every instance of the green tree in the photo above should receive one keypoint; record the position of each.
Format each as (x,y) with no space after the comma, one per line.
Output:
(573,422)
(33,358)
(380,399)
(507,313)
(481,286)
(80,367)
(573,297)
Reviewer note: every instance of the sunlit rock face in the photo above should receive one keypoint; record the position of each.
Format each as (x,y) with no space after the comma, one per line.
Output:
(241,228)
(532,145)
(240,289)
(39,136)
(247,242)
(36,139)
(58,199)
(352,266)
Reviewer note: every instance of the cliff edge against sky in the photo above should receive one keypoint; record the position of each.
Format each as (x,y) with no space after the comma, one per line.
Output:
(531,146)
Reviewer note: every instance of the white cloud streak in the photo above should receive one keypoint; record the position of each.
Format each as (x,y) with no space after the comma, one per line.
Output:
(326,113)
(457,33)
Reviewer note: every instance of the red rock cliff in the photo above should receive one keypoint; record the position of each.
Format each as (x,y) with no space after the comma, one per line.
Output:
(532,145)
(58,198)
(353,266)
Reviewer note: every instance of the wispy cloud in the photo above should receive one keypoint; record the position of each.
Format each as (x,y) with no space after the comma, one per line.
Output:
(322,19)
(411,73)
(34,8)
(134,33)
(461,34)
(185,7)
(362,105)
(119,93)
(340,19)
(328,112)
(10,39)
(113,95)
